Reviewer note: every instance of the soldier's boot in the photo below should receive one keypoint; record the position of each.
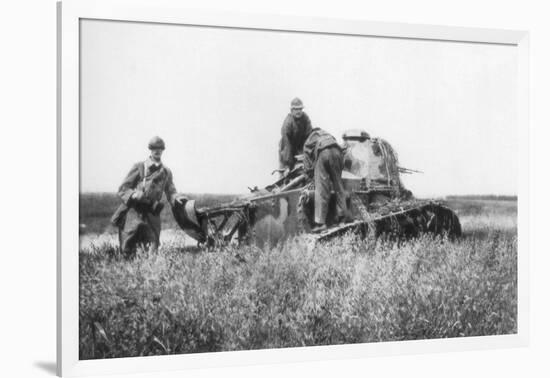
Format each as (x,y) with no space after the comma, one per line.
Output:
(127,245)
(319,228)
(346,218)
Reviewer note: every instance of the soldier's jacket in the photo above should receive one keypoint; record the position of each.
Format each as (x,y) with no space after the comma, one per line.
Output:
(317,141)
(293,135)
(151,179)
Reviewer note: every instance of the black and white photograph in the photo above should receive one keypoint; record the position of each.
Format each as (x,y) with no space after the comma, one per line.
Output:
(245,189)
(273,189)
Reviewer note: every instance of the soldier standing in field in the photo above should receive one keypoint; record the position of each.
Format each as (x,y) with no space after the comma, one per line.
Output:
(296,128)
(138,217)
(324,161)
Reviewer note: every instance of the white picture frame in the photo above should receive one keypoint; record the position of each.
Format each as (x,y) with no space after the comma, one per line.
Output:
(69,15)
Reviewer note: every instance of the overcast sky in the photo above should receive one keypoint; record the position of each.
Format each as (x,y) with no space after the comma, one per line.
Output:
(218,98)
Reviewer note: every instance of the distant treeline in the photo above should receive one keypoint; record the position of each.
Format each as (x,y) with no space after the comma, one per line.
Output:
(96,209)
(494,197)
(98,204)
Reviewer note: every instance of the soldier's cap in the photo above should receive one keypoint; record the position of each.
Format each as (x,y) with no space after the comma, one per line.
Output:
(156,143)
(296,104)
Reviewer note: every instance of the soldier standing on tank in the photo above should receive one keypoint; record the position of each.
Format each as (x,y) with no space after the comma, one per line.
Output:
(296,128)
(324,161)
(138,217)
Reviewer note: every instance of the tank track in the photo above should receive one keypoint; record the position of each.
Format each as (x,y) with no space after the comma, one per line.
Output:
(399,219)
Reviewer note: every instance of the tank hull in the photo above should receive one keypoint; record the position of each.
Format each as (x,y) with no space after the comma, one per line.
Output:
(378,202)
(272,218)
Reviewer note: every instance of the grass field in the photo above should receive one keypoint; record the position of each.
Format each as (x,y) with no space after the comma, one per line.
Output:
(346,291)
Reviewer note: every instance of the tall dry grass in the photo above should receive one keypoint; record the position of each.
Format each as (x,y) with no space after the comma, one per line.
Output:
(345,291)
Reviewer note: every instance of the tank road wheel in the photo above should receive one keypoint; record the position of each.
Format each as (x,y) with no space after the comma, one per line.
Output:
(442,220)
(409,224)
(245,233)
(422,221)
(451,223)
(225,226)
(420,218)
(213,240)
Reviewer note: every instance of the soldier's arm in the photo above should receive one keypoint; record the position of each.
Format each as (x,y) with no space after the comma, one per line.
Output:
(309,158)
(170,189)
(286,153)
(128,186)
(309,128)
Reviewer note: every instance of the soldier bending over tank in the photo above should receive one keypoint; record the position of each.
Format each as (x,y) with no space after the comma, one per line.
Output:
(324,161)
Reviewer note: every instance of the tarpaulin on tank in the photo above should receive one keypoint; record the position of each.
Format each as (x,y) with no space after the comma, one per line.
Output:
(372,159)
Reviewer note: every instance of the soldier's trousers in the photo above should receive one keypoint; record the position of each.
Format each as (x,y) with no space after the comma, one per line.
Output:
(139,228)
(328,176)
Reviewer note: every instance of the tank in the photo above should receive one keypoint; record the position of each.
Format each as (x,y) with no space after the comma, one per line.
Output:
(379,203)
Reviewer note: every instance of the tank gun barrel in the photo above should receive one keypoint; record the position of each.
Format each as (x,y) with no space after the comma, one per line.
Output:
(285,180)
(294,183)
(408,171)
